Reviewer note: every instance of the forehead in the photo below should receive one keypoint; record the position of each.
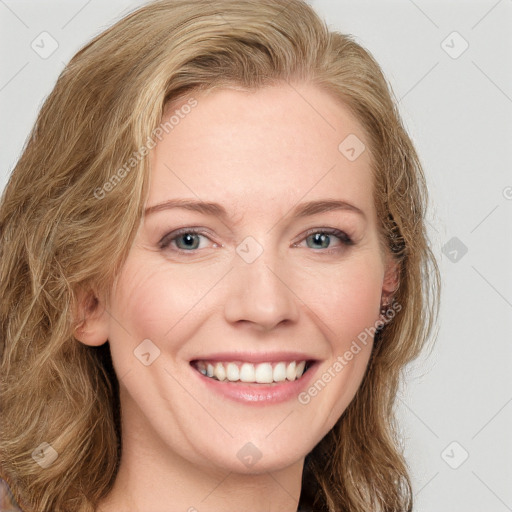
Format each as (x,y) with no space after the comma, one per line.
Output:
(263,150)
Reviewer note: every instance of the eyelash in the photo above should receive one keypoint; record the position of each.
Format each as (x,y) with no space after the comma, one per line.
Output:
(166,241)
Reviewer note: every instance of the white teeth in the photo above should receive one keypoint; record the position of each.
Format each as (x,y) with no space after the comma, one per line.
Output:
(219,371)
(247,373)
(279,372)
(232,372)
(262,373)
(291,371)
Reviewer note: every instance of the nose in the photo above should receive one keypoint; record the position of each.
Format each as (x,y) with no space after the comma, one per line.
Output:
(260,293)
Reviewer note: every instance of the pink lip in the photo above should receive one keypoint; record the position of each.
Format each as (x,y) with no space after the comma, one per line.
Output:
(259,394)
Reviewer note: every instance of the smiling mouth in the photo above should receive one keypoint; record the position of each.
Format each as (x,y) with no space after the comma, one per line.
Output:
(261,373)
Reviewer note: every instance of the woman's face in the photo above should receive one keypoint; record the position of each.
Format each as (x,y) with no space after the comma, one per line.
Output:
(258,274)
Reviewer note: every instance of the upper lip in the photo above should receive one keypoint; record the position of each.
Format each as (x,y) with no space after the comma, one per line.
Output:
(255,357)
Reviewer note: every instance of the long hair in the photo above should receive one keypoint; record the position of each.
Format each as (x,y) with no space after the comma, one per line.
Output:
(69,214)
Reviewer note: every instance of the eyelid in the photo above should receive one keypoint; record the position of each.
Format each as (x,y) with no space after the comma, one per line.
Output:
(342,235)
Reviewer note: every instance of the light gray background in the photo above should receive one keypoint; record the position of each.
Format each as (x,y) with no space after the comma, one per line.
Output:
(457,402)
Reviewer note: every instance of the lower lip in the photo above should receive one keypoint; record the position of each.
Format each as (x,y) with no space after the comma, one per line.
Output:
(258,394)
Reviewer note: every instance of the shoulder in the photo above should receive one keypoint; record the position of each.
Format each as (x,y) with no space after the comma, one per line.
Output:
(7,501)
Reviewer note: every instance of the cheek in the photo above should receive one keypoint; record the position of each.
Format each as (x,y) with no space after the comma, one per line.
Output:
(150,302)
(347,301)
(139,300)
(346,298)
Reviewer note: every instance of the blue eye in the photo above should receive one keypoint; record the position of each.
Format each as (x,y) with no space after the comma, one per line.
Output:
(186,239)
(323,238)
(189,239)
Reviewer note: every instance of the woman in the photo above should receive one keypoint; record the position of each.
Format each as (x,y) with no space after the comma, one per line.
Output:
(214,266)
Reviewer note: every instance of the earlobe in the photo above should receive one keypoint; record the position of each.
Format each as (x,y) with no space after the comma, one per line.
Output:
(92,320)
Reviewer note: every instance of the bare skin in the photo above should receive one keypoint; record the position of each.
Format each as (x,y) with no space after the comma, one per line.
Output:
(260,155)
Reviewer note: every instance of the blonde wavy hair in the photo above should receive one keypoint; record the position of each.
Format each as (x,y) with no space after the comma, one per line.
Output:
(58,240)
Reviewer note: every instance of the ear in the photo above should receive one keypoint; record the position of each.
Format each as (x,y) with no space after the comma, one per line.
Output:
(92,319)
(391,279)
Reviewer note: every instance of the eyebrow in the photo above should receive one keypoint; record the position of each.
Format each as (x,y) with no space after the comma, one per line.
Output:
(210,208)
